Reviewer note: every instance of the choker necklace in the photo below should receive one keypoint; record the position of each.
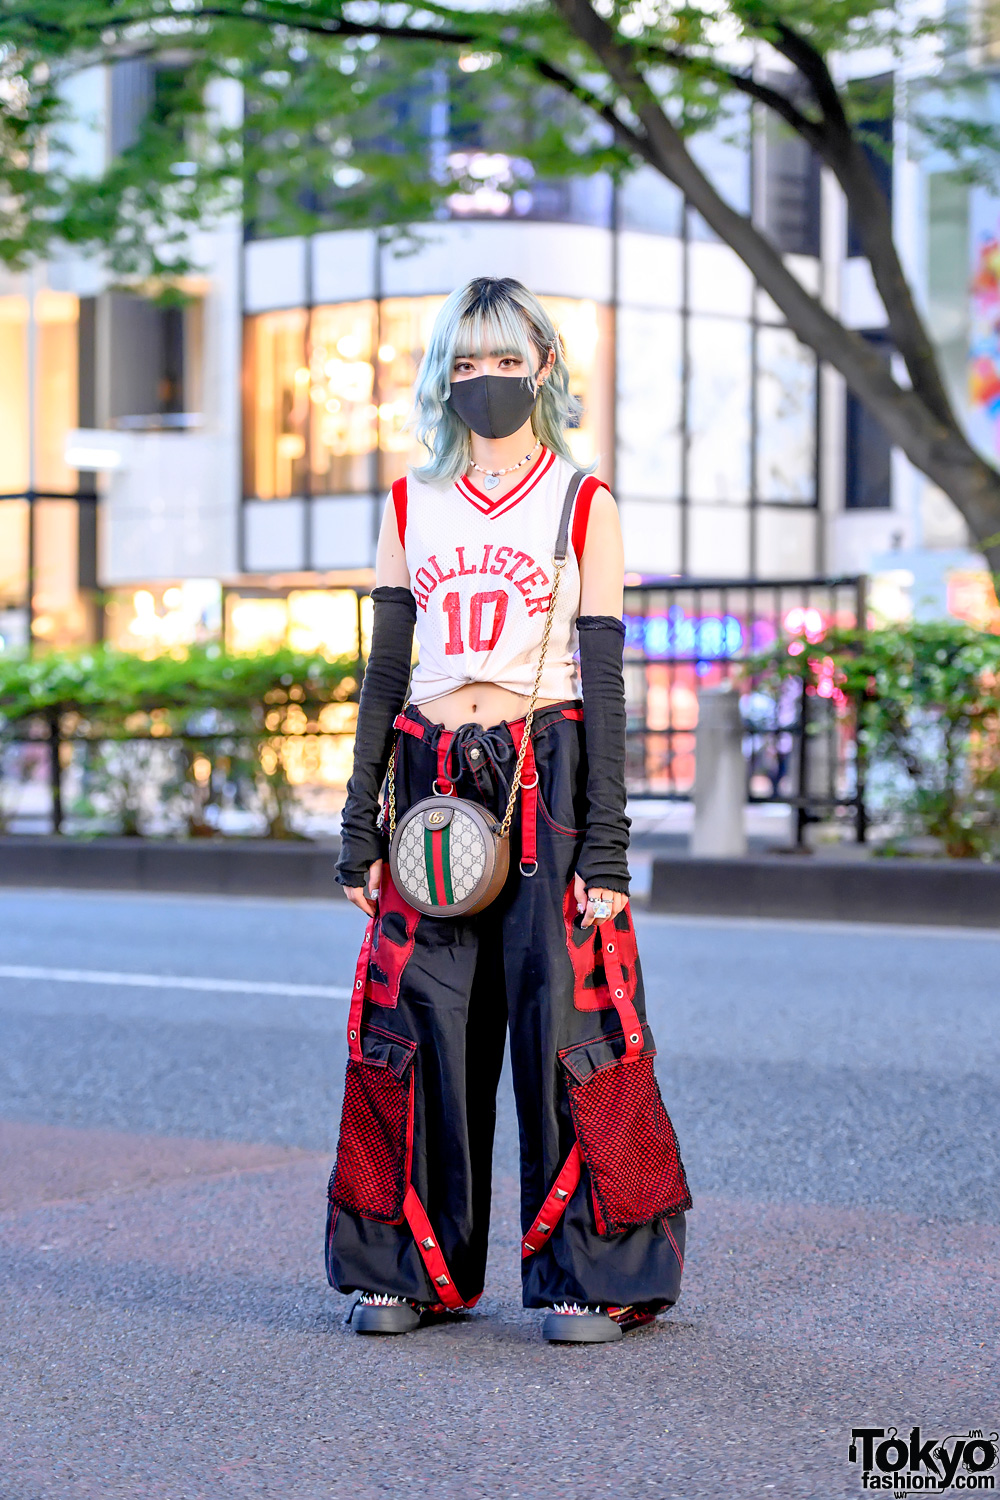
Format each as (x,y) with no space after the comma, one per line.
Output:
(493,476)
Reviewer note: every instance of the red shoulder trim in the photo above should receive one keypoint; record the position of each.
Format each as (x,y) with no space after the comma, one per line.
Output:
(399,505)
(581,512)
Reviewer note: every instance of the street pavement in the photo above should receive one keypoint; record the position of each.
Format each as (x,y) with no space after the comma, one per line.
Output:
(168,1332)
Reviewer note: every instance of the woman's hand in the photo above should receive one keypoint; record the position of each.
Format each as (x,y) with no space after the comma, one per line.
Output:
(364,899)
(585,901)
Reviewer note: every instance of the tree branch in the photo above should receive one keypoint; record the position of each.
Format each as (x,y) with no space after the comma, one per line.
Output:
(844,155)
(744,83)
(933,441)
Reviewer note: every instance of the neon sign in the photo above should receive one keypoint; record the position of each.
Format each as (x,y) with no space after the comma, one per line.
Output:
(677,634)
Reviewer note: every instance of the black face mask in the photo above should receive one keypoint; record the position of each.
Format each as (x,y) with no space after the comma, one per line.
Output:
(494,406)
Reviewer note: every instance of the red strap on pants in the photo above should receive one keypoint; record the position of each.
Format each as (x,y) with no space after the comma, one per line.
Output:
(618,985)
(554,1206)
(430,1251)
(529,801)
(408,726)
(358,994)
(443,784)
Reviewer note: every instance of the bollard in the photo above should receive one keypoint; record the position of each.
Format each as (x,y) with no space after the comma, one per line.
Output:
(720,778)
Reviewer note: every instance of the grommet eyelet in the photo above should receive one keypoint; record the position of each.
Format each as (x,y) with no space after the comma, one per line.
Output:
(611,947)
(619,994)
(353,1035)
(357,984)
(634,1038)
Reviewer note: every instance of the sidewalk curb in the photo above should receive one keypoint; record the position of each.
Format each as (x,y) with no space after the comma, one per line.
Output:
(232,867)
(955,893)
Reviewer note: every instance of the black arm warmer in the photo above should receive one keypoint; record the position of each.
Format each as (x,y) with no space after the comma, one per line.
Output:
(603,861)
(383,693)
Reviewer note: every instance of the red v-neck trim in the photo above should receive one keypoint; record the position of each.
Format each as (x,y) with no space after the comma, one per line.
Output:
(492,505)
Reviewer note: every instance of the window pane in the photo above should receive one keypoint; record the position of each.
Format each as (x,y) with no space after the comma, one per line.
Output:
(342,411)
(786,417)
(56,395)
(719,283)
(646,200)
(13,395)
(791,195)
(723,155)
(13,557)
(868,467)
(276,404)
(59,613)
(586,329)
(404,329)
(649,404)
(719,410)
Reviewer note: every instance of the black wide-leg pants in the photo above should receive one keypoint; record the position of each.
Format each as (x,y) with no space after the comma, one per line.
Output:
(603,1191)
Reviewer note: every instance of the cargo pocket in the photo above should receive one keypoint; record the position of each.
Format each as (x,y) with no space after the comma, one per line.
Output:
(626,1139)
(372,1170)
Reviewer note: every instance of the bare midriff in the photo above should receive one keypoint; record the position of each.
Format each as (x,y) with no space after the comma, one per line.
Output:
(479,703)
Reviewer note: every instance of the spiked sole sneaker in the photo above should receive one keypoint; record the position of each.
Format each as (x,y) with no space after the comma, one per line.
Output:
(384,1315)
(570,1323)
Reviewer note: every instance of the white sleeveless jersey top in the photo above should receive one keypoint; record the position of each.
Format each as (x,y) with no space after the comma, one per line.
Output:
(481,572)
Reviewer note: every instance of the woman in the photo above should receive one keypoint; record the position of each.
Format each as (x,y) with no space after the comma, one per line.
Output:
(466,554)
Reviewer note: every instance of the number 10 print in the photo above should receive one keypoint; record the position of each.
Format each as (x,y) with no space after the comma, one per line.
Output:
(452,606)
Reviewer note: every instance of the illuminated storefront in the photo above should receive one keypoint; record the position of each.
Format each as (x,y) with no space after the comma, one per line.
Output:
(699,407)
(46,526)
(329,391)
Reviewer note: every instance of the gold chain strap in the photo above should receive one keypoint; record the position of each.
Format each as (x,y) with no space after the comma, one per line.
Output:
(392,791)
(529,716)
(515,785)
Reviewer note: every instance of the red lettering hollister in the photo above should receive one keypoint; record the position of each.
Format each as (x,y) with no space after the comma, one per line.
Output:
(433,571)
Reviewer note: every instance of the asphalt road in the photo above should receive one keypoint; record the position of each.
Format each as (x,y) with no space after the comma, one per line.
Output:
(163,1159)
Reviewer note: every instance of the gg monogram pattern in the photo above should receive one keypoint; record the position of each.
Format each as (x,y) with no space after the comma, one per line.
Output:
(467,850)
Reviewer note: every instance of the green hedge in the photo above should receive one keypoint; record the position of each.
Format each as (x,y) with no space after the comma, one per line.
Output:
(211,717)
(108,687)
(927,700)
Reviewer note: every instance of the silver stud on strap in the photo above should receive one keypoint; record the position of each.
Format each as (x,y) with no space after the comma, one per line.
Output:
(562,1193)
(440,1281)
(428,1243)
(544,1228)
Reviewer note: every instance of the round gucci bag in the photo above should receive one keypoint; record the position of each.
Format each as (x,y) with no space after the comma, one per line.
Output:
(449,857)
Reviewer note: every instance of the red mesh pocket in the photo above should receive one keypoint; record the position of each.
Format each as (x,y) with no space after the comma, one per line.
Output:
(628,1144)
(370,1175)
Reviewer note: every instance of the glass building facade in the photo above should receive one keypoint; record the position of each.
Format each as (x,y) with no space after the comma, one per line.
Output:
(259,427)
(700,409)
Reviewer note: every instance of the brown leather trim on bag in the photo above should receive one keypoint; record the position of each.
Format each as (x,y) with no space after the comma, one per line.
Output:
(497,848)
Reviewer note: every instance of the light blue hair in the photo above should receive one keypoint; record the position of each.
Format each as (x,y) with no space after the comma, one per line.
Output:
(490,316)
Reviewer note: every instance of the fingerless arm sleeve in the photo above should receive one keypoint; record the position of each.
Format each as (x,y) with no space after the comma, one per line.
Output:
(604,858)
(383,693)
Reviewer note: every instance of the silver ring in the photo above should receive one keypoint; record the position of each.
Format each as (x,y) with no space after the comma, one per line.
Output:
(602,909)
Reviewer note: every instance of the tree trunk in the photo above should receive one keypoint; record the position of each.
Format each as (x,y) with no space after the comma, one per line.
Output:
(930,436)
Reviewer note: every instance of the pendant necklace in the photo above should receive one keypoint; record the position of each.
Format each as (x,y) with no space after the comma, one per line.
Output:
(492,477)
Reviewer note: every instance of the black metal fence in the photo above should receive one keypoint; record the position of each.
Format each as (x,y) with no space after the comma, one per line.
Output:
(682,637)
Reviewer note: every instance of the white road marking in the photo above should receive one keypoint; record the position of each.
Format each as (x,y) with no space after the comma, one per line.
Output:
(175,982)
